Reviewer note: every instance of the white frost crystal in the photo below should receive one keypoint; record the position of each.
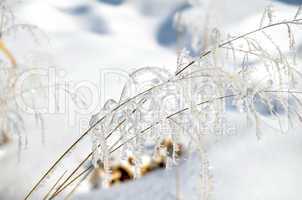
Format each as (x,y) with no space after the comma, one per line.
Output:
(189,106)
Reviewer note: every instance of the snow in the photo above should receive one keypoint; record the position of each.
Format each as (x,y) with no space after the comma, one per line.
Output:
(90,37)
(162,184)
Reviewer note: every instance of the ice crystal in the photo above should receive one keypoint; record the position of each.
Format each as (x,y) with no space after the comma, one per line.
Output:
(260,81)
(190,107)
(13,63)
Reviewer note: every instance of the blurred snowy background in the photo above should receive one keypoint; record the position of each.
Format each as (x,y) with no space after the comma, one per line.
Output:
(90,37)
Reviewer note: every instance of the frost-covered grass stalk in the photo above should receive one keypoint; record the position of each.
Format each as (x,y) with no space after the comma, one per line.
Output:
(11,119)
(249,73)
(22,87)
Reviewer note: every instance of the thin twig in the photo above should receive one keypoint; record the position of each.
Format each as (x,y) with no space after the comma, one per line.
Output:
(81,164)
(61,158)
(71,174)
(295,21)
(84,134)
(87,170)
(55,185)
(77,185)
(89,155)
(142,132)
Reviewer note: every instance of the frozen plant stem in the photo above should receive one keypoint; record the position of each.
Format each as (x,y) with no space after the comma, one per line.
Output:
(7,53)
(82,136)
(87,171)
(142,132)
(295,21)
(112,149)
(69,195)
(53,187)
(89,155)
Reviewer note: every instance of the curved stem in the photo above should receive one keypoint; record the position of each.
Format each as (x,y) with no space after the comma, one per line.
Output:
(295,21)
